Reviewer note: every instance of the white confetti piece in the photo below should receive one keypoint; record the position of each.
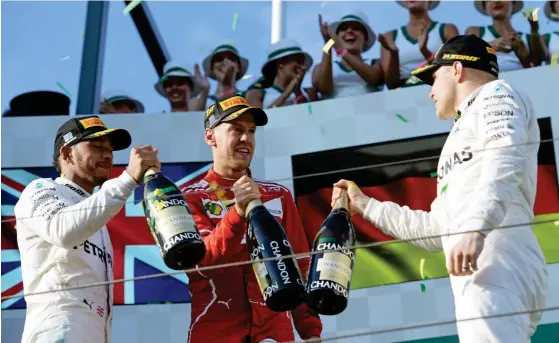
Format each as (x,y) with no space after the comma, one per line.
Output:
(64,58)
(328,46)
(246,77)
(421,265)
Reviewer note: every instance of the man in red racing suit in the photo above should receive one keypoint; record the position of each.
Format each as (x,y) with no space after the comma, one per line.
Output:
(227,305)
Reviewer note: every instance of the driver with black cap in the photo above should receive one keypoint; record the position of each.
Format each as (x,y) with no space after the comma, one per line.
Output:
(486,187)
(62,235)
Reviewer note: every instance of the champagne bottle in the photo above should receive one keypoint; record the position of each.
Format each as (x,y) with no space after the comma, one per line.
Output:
(171,222)
(330,272)
(280,280)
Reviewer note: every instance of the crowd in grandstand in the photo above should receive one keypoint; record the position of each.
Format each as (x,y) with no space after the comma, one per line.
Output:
(343,71)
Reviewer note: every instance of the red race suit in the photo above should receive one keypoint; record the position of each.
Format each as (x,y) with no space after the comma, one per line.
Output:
(227,305)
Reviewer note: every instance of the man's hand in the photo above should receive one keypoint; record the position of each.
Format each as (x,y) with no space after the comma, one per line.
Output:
(142,158)
(323,29)
(245,190)
(202,81)
(387,43)
(502,44)
(294,85)
(357,199)
(462,259)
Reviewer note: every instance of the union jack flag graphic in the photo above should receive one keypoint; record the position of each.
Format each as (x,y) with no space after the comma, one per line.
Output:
(100,311)
(135,252)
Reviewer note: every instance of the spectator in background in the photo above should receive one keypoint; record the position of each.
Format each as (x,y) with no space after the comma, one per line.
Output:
(511,46)
(551,10)
(282,76)
(351,75)
(404,49)
(120,102)
(226,66)
(179,87)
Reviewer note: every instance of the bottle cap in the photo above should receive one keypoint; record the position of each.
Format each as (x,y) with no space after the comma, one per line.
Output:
(151,171)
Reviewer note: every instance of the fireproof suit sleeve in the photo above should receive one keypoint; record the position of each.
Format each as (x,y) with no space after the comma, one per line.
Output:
(503,127)
(59,221)
(306,322)
(223,242)
(417,227)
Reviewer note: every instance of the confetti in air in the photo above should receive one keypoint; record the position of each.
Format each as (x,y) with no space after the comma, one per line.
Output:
(64,58)
(421,265)
(535,14)
(64,89)
(246,77)
(422,288)
(554,59)
(131,6)
(328,46)
(235,16)
(434,174)
(556,223)
(402,118)
(309,107)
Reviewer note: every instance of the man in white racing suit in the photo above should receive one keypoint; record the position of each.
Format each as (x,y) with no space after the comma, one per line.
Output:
(482,216)
(62,237)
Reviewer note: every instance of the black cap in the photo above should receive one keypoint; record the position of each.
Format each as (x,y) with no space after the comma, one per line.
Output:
(79,129)
(471,51)
(230,108)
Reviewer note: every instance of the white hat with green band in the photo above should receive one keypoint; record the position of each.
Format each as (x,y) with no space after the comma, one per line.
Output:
(172,68)
(549,13)
(226,46)
(283,48)
(115,96)
(361,18)
(516,6)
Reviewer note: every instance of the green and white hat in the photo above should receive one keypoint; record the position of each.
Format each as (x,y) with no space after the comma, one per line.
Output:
(549,11)
(432,4)
(361,18)
(516,7)
(283,48)
(225,46)
(173,68)
(117,95)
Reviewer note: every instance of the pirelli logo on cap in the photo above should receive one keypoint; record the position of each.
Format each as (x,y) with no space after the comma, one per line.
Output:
(89,122)
(491,50)
(234,101)
(209,110)
(460,57)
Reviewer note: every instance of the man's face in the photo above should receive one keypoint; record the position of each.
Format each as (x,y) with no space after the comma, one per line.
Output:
(499,9)
(443,92)
(233,142)
(417,6)
(124,106)
(221,60)
(353,36)
(289,66)
(177,89)
(91,160)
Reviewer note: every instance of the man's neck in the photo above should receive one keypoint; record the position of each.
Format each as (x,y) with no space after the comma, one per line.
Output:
(281,81)
(502,25)
(179,107)
(418,19)
(86,185)
(224,90)
(229,173)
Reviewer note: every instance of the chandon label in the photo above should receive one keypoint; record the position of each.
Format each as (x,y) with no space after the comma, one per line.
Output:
(179,238)
(338,247)
(330,285)
(336,267)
